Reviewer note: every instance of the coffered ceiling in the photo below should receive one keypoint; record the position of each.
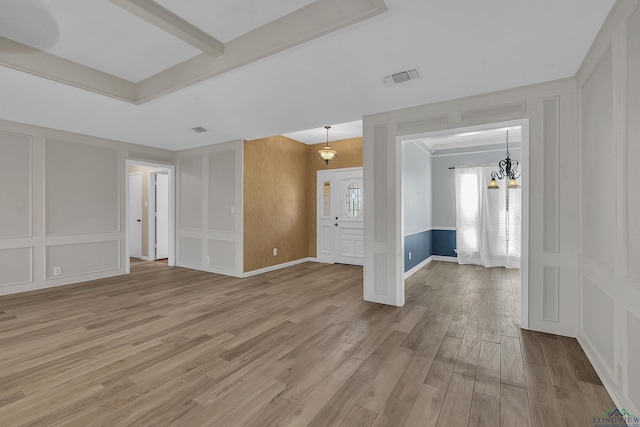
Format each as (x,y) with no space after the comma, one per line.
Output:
(147,72)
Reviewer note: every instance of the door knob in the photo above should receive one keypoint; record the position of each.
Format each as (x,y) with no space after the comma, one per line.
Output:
(139,220)
(336,224)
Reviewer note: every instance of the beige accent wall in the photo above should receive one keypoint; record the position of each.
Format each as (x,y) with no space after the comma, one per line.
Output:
(349,156)
(275,213)
(145,203)
(280,197)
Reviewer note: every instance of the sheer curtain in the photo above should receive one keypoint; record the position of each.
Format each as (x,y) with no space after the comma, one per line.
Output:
(487,221)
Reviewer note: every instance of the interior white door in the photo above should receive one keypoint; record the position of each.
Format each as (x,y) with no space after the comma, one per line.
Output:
(135,215)
(162,216)
(340,225)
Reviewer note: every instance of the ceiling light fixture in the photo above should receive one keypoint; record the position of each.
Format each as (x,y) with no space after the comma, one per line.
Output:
(508,170)
(328,154)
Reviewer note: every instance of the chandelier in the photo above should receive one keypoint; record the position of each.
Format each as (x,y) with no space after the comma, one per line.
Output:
(328,154)
(508,170)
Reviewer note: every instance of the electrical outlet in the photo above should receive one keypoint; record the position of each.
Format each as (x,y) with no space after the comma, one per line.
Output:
(275,251)
(57,271)
(207,259)
(409,255)
(233,209)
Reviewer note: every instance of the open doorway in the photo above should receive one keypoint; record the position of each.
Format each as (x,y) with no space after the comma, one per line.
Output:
(150,212)
(428,184)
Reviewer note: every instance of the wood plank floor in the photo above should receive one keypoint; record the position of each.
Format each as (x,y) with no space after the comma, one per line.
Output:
(175,347)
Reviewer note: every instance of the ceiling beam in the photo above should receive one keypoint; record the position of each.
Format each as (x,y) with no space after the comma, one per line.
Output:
(162,18)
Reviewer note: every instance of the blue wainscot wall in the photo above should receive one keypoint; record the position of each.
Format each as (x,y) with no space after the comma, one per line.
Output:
(427,243)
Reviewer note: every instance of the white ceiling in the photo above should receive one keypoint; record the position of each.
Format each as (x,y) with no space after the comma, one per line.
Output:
(227,19)
(336,132)
(337,78)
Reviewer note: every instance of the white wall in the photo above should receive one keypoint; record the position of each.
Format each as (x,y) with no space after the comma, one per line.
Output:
(416,176)
(550,109)
(609,153)
(62,204)
(209,209)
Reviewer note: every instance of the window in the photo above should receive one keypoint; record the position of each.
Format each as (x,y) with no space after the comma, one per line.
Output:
(353,202)
(487,221)
(326,199)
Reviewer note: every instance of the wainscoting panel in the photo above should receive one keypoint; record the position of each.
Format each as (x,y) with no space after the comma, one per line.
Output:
(380,284)
(551,294)
(407,126)
(190,176)
(633,352)
(633,146)
(222,191)
(419,246)
(82,193)
(190,250)
(76,259)
(380,182)
(551,152)
(16,265)
(15,167)
(493,111)
(598,320)
(443,243)
(427,243)
(598,199)
(222,253)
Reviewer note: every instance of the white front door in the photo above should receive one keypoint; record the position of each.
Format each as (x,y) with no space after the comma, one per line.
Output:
(340,225)
(135,215)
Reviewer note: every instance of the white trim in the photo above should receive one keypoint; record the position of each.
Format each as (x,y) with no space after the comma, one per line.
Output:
(172,208)
(415,269)
(431,229)
(151,203)
(276,267)
(472,152)
(620,399)
(144,258)
(399,208)
(444,258)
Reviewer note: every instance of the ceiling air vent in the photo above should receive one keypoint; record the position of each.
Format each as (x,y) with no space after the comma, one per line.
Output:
(401,77)
(198,129)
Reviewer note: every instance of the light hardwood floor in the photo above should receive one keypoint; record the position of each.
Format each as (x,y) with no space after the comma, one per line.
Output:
(169,346)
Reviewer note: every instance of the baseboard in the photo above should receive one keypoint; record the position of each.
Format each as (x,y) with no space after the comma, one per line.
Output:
(276,267)
(615,390)
(415,269)
(144,258)
(444,258)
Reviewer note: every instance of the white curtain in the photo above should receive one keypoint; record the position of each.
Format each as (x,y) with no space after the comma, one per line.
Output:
(487,221)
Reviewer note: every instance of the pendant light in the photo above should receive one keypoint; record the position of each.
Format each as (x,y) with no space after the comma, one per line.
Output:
(508,170)
(328,154)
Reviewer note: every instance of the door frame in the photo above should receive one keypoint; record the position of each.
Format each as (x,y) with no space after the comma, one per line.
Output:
(152,218)
(524,183)
(129,211)
(172,209)
(321,176)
